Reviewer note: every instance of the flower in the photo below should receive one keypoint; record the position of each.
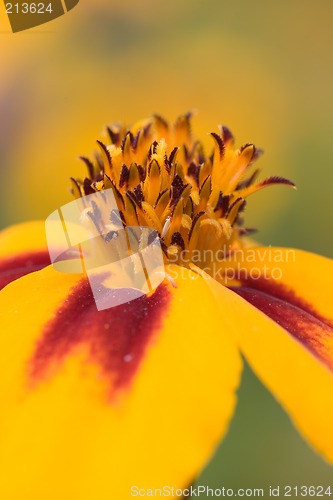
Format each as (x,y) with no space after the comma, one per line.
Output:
(138,396)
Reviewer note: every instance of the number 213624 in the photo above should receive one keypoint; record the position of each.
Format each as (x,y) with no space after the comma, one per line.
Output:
(29,8)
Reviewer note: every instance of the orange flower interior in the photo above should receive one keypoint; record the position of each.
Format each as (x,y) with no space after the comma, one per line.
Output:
(162,178)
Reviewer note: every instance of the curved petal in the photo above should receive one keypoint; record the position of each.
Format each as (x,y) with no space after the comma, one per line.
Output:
(21,238)
(23,249)
(77,420)
(285,331)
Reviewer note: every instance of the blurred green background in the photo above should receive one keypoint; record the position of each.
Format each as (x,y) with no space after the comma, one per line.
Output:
(263,68)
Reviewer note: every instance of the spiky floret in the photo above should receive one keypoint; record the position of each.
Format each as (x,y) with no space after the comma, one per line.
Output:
(163,179)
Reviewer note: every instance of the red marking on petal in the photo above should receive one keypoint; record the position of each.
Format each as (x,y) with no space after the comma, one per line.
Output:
(283,292)
(294,315)
(116,338)
(12,268)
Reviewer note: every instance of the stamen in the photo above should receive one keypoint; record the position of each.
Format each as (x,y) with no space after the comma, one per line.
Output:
(163,179)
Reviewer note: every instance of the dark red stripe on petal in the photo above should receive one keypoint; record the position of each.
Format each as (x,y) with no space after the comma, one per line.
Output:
(116,339)
(315,334)
(15,267)
(285,293)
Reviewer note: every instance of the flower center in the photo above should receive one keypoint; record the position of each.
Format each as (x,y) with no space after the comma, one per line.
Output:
(162,178)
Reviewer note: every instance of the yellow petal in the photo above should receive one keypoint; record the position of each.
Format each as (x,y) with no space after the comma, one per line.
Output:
(22,238)
(72,425)
(292,355)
